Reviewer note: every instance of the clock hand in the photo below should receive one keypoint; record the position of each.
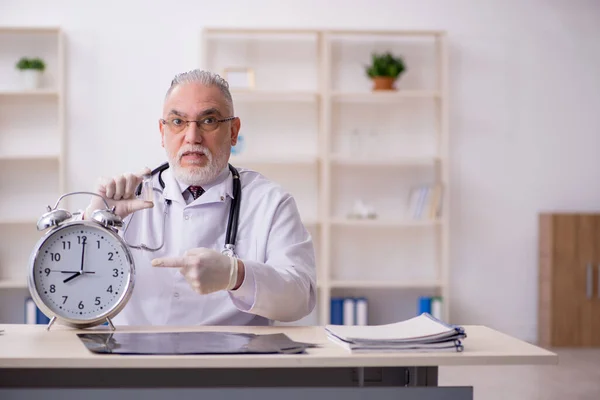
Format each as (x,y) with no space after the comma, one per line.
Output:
(75,275)
(82,255)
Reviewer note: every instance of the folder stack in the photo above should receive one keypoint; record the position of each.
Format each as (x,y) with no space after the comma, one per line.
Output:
(422,333)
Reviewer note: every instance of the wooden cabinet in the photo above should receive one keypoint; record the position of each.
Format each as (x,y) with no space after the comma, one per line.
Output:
(569,280)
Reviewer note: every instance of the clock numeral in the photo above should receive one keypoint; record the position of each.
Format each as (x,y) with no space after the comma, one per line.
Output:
(97,241)
(110,256)
(109,290)
(115,273)
(80,305)
(66,245)
(97,301)
(55,256)
(52,288)
(47,271)
(65,299)
(81,239)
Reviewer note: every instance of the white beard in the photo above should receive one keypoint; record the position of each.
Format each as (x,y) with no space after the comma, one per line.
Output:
(198,175)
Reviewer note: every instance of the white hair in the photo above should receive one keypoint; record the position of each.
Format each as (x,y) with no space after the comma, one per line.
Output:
(205,78)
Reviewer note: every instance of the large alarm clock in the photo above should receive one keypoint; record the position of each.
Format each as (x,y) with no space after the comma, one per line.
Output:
(81,272)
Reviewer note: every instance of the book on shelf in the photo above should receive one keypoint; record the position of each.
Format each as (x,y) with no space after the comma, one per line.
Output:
(425,202)
(431,305)
(348,311)
(422,333)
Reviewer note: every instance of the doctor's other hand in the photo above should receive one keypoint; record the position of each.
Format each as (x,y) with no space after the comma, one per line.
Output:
(206,270)
(119,192)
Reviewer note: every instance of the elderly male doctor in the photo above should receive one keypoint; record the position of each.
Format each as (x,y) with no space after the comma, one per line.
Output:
(189,281)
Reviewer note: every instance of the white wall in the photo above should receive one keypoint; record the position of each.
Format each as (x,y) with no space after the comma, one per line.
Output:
(525,101)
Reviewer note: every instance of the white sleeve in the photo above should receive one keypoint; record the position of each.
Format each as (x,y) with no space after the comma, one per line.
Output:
(283,287)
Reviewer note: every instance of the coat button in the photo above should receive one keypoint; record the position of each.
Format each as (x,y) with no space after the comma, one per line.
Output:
(176,295)
(187,217)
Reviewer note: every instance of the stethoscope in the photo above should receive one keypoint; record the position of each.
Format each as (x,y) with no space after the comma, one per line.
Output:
(232,223)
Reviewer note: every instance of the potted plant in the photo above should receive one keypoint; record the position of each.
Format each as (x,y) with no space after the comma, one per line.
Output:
(31,72)
(385,70)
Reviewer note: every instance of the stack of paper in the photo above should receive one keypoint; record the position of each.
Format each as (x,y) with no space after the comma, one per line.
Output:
(421,333)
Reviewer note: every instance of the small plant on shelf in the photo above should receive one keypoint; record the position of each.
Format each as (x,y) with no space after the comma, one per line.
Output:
(384,70)
(31,71)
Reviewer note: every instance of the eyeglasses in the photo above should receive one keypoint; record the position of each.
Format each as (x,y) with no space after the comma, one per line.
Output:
(207,124)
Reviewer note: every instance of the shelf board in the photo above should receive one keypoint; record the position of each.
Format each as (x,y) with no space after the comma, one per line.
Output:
(283,160)
(366,284)
(382,161)
(38,92)
(311,222)
(30,29)
(30,157)
(13,283)
(383,96)
(384,32)
(383,223)
(273,96)
(18,221)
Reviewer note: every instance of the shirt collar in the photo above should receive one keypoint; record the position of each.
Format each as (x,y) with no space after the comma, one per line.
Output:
(218,188)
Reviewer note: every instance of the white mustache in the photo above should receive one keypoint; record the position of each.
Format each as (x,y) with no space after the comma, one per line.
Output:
(194,149)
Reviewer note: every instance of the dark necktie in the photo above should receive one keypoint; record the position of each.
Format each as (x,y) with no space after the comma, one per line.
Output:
(196,191)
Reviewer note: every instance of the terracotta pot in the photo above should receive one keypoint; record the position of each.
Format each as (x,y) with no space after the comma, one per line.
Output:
(383,83)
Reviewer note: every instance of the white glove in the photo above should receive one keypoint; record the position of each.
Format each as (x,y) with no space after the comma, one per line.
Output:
(119,192)
(206,270)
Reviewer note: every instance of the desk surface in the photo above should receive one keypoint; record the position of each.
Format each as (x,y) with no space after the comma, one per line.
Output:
(32,346)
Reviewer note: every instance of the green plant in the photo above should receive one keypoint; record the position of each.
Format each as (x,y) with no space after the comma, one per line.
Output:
(385,64)
(31,63)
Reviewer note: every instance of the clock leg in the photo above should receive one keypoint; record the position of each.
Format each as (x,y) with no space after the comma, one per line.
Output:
(112,327)
(50,323)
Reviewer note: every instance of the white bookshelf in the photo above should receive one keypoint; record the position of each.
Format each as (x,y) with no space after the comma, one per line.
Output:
(313,124)
(32,149)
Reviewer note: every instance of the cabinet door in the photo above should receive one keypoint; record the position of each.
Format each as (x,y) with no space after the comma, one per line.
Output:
(573,251)
(594,317)
(587,256)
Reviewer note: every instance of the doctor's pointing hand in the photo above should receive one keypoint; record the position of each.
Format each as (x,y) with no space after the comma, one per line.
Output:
(215,243)
(206,270)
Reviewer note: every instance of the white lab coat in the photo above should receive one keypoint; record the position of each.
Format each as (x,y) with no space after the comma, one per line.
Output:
(277,251)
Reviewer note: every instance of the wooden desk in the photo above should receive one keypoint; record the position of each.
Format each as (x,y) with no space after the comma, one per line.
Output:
(31,357)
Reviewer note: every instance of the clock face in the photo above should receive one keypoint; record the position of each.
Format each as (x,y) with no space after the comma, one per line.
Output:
(82,272)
